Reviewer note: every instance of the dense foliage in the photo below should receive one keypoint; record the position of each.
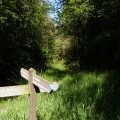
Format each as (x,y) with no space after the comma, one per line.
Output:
(95,27)
(22,29)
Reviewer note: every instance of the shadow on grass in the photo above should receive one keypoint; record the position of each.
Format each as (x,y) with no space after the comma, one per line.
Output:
(105,106)
(106,103)
(76,101)
(93,102)
(57,73)
(109,102)
(79,103)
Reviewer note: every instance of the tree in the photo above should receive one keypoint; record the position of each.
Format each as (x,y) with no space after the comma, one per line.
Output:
(21,28)
(94,26)
(74,16)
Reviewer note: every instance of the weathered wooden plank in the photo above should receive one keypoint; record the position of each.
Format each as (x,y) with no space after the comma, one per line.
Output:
(24,73)
(14,90)
(43,85)
(54,86)
(32,97)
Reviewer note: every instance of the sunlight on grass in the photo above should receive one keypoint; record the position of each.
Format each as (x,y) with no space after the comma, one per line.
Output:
(78,98)
(15,108)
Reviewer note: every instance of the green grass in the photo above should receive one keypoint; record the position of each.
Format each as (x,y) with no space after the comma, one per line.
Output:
(83,95)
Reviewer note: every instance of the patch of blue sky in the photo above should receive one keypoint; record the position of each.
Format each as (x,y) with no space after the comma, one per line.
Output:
(54,4)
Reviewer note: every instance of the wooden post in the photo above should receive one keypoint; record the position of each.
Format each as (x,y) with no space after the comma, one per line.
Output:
(32,97)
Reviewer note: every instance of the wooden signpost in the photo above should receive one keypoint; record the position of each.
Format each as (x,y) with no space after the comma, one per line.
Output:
(43,85)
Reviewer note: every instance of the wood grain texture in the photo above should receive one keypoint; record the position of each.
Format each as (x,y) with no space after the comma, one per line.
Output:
(14,90)
(42,84)
(32,97)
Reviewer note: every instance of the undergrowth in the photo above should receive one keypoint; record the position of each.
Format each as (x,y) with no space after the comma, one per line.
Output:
(83,95)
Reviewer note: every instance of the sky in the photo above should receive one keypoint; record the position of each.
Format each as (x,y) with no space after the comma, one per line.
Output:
(53,14)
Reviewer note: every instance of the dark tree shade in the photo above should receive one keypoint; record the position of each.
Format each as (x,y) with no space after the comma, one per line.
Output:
(95,27)
(21,36)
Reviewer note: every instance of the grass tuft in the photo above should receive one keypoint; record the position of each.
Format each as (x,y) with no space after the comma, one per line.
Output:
(82,96)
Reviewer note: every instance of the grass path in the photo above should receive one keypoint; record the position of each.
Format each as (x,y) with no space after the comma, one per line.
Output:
(82,96)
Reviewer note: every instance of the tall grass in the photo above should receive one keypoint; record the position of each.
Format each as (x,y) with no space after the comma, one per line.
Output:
(81,96)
